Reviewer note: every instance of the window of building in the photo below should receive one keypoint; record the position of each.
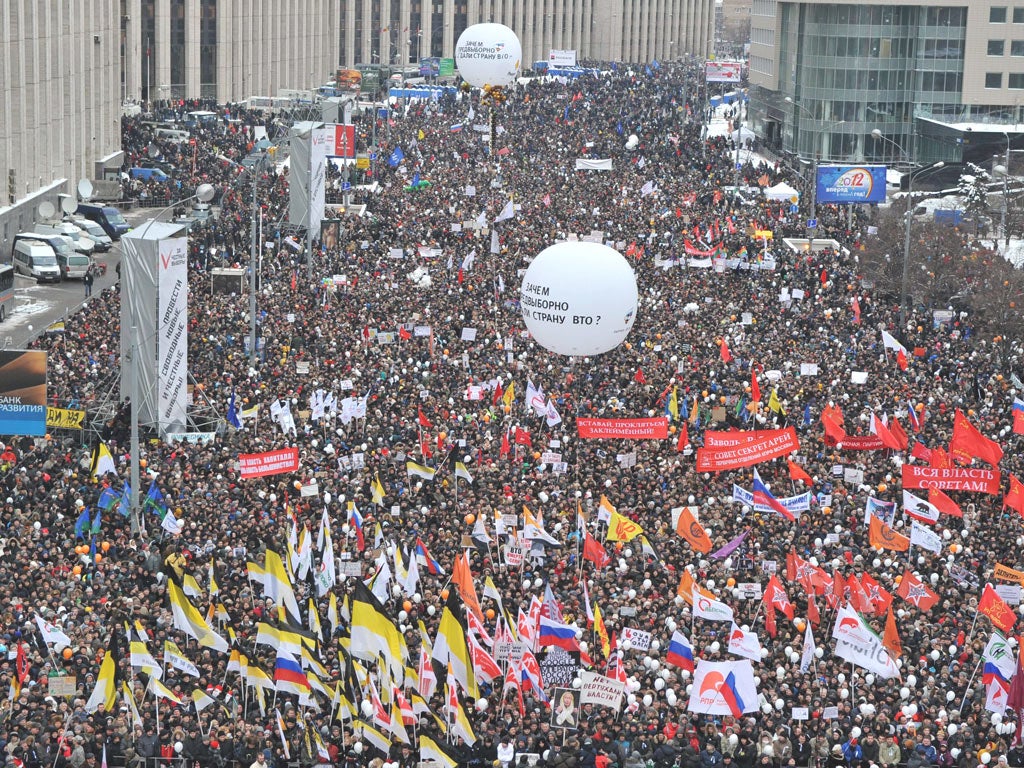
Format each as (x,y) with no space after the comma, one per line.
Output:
(993,79)
(1017,47)
(997,14)
(995,47)
(1016,80)
(1018,15)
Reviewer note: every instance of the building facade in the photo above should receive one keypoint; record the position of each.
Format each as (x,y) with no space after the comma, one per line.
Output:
(227,50)
(60,108)
(825,75)
(400,32)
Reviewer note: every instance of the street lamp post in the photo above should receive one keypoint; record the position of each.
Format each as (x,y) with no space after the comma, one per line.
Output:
(204,193)
(877,134)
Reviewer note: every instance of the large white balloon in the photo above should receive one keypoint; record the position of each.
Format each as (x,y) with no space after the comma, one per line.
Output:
(488,54)
(579,298)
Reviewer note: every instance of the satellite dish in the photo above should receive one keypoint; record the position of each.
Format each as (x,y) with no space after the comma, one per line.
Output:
(68,204)
(46,210)
(84,189)
(153,151)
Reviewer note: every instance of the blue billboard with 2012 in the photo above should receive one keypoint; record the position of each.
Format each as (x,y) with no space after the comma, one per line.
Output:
(851,184)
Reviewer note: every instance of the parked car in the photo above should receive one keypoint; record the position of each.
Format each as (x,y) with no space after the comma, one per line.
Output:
(95,232)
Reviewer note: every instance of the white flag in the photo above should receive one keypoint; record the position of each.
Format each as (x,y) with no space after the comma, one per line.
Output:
(506,213)
(647,189)
(171,524)
(552,415)
(890,342)
(996,694)
(468,261)
(999,654)
(713,610)
(925,538)
(52,633)
(807,658)
(920,509)
(745,644)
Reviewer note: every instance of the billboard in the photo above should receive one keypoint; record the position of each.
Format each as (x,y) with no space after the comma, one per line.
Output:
(851,184)
(172,335)
(154,303)
(557,58)
(343,140)
(723,71)
(348,79)
(22,392)
(446,67)
(430,66)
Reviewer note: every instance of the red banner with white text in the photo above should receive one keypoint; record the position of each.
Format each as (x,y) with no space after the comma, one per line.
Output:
(732,450)
(953,478)
(623,429)
(269,463)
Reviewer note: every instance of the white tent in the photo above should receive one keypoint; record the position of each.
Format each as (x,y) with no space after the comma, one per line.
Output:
(744,134)
(781,191)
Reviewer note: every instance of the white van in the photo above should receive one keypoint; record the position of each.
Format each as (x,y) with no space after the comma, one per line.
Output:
(79,241)
(36,259)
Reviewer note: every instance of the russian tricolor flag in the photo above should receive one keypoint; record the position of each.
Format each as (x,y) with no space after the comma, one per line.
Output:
(731,695)
(680,652)
(991,673)
(432,565)
(288,675)
(555,633)
(763,496)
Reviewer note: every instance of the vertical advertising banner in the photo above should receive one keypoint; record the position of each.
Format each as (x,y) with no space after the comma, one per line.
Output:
(22,392)
(322,139)
(344,141)
(172,335)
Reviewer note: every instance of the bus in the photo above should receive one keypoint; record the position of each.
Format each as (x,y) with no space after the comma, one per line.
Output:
(6,290)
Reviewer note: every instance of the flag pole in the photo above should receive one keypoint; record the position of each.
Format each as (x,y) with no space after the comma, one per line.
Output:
(969,684)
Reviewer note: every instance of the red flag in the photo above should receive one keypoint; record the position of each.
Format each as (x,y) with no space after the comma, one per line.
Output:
(1018,419)
(498,393)
(769,619)
(423,420)
(920,452)
(522,437)
(595,552)
(832,420)
(684,438)
(813,614)
(878,596)
(901,359)
(506,448)
(913,590)
(855,304)
(425,446)
(891,638)
(639,377)
(884,434)
(899,433)
(1014,498)
(403,333)
(943,503)
(791,565)
(796,472)
(858,597)
(723,350)
(440,441)
(755,388)
(460,276)
(294,280)
(1015,699)
(940,459)
(968,443)
(775,595)
(21,663)
(993,606)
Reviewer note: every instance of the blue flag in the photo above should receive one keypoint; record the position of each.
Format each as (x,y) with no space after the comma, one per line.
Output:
(807,415)
(396,157)
(565,115)
(82,524)
(107,499)
(648,71)
(416,179)
(618,127)
(97,522)
(124,506)
(233,419)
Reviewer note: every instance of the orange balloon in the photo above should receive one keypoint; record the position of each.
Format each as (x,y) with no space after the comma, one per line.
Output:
(77,570)
(470,518)
(99,557)
(407,606)
(801,625)
(536,454)
(490,613)
(105,546)
(66,653)
(444,594)
(730,582)
(143,463)
(442,435)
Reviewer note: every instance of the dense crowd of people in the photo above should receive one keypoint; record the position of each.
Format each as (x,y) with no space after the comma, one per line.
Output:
(705,340)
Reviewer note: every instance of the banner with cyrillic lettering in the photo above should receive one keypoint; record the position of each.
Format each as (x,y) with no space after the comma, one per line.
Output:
(859,443)
(269,463)
(732,450)
(952,478)
(623,429)
(800,503)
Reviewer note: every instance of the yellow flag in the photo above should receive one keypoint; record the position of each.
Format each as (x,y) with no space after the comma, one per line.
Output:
(774,404)
(510,394)
(621,528)
(673,405)
(602,631)
(421,135)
